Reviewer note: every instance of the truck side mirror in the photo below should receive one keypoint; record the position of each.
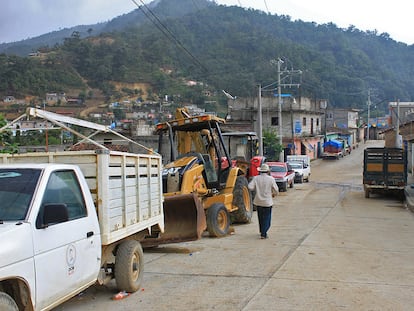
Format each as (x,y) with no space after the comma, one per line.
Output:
(53,213)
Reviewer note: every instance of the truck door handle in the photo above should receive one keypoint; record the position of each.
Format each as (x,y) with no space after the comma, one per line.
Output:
(89,234)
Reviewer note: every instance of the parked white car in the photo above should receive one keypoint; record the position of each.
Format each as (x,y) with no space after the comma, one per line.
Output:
(302,171)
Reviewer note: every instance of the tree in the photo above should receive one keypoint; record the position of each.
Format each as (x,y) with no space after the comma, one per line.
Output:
(119,114)
(6,140)
(271,144)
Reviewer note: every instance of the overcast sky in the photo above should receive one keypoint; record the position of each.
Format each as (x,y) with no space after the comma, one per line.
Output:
(22,19)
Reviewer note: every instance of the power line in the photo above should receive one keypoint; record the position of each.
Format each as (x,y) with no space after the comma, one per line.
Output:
(158,23)
(267,8)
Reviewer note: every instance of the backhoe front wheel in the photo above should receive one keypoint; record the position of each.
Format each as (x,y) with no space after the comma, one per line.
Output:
(129,266)
(218,220)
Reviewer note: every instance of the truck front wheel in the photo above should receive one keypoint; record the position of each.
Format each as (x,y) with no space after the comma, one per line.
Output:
(7,303)
(218,220)
(129,266)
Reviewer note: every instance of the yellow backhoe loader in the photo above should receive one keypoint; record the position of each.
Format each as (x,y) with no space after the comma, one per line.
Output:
(201,188)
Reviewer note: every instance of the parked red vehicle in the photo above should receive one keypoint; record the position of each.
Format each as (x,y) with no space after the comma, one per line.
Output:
(333,149)
(283,174)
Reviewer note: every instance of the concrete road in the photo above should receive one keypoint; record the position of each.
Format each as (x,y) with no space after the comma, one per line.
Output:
(329,249)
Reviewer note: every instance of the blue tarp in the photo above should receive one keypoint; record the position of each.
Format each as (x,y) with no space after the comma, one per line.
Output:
(333,143)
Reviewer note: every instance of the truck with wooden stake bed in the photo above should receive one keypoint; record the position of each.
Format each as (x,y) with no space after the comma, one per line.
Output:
(385,170)
(71,219)
(333,149)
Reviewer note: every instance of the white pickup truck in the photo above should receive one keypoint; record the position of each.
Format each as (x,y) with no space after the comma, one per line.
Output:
(301,165)
(69,219)
(65,227)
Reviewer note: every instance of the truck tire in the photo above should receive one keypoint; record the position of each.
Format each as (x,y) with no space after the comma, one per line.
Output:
(218,220)
(7,303)
(367,193)
(243,200)
(129,266)
(292,183)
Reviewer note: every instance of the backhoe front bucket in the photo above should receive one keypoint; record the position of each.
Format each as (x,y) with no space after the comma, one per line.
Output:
(184,220)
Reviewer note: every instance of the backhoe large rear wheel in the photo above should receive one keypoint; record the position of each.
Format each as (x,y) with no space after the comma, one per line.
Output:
(243,200)
(218,220)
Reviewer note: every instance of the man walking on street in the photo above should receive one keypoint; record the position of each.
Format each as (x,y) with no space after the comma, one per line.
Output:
(266,189)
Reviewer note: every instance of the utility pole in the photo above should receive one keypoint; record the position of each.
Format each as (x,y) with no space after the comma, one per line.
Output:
(369,104)
(260,122)
(397,129)
(280,84)
(279,96)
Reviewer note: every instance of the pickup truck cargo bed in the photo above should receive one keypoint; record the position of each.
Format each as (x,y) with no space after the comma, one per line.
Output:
(126,187)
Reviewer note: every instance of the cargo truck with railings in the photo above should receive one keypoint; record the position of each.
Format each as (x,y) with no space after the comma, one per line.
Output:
(385,171)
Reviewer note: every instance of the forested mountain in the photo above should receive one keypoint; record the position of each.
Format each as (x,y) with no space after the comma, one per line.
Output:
(228,48)
(135,18)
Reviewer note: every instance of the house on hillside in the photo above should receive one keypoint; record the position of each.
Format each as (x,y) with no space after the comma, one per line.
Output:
(29,125)
(9,99)
(74,101)
(54,98)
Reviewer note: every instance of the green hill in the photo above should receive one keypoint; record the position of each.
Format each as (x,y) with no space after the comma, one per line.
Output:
(231,48)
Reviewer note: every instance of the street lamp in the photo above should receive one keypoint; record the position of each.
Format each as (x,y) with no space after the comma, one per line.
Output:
(233,98)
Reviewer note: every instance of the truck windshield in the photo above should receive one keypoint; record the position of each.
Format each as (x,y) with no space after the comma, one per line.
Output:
(296,165)
(16,191)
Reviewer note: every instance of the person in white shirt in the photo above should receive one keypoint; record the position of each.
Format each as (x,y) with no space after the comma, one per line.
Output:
(266,189)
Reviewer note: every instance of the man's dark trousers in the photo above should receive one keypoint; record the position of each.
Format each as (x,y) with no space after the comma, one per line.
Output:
(265,216)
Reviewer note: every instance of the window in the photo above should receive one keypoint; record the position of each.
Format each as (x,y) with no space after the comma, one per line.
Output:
(63,188)
(304,121)
(17,186)
(275,121)
(317,121)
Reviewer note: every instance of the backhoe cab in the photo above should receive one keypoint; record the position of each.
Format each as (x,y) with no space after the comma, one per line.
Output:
(199,182)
